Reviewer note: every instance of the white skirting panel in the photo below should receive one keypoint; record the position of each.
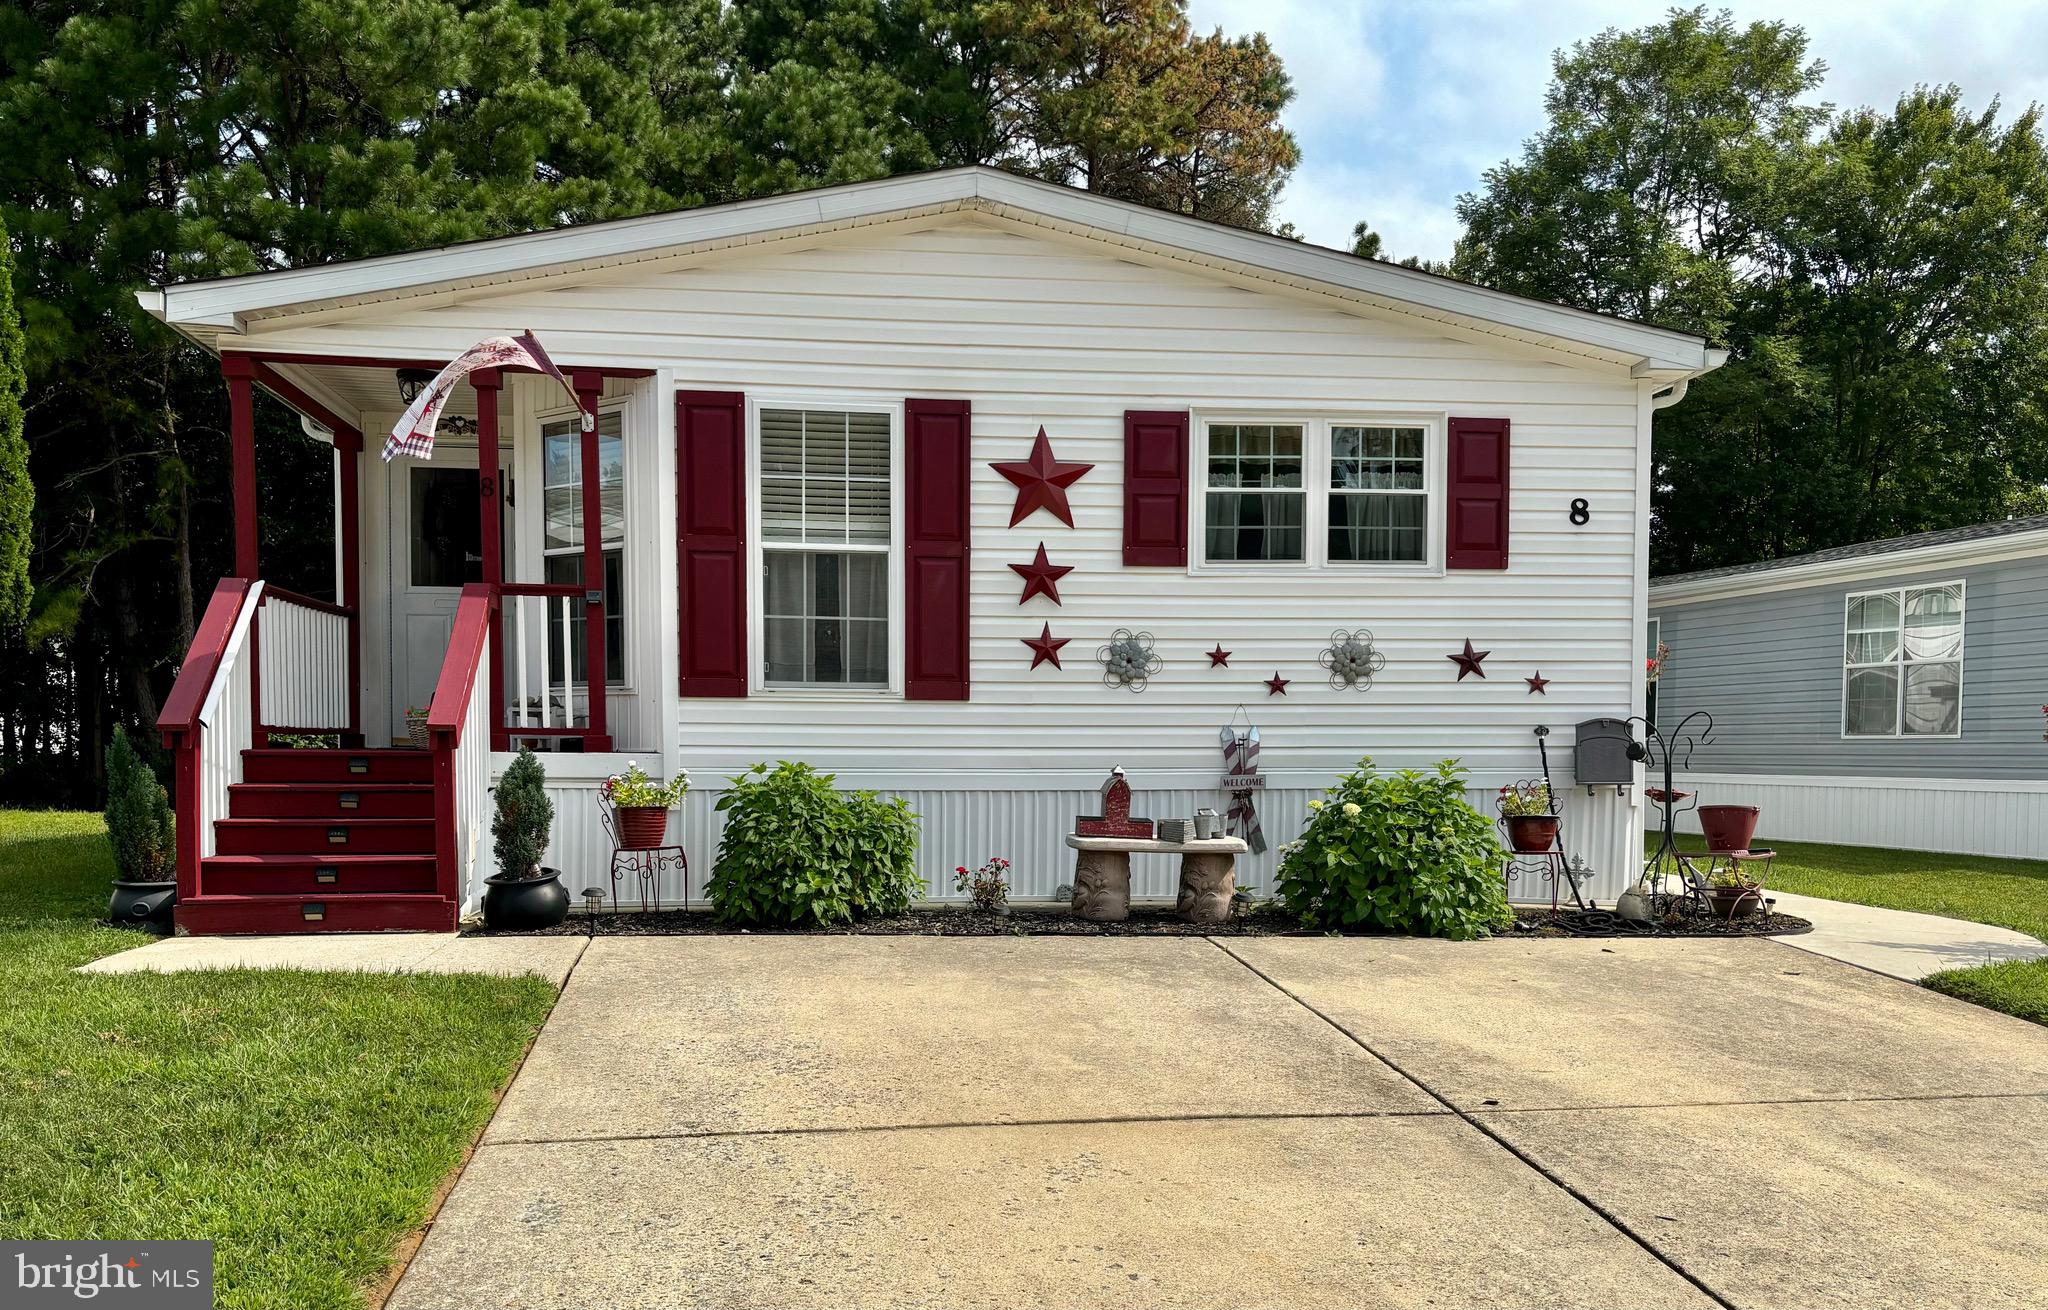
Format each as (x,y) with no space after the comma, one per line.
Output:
(1957,817)
(1028,827)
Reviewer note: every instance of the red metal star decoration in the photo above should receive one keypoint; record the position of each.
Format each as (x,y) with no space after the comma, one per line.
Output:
(1277,685)
(1468,662)
(1536,684)
(1219,658)
(1042,482)
(1045,647)
(1041,577)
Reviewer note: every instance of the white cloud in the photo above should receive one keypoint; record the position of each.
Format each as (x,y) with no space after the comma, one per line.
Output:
(1402,106)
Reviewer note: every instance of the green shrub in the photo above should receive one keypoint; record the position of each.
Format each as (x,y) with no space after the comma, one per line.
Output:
(519,828)
(795,851)
(140,822)
(1400,853)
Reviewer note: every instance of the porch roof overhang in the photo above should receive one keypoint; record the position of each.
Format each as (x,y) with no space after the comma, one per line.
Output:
(220,312)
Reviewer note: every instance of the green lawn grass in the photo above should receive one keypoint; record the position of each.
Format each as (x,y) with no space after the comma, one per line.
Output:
(302,1121)
(2008,893)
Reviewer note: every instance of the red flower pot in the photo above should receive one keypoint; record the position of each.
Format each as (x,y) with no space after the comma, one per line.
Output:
(642,826)
(1728,827)
(1532,834)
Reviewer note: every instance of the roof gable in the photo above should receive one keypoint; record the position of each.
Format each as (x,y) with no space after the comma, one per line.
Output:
(212,310)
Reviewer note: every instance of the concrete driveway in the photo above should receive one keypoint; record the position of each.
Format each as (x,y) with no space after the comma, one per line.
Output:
(1286,1122)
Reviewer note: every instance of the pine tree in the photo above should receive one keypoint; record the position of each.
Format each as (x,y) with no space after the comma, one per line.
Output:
(17,495)
(519,829)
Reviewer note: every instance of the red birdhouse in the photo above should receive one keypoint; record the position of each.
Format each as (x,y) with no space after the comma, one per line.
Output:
(1115,819)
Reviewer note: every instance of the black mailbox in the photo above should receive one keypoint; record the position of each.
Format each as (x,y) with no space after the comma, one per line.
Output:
(1600,756)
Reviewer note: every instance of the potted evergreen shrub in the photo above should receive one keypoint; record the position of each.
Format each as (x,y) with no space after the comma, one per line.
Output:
(642,805)
(1531,817)
(143,830)
(522,895)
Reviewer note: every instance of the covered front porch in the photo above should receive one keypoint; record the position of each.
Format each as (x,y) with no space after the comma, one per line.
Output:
(411,534)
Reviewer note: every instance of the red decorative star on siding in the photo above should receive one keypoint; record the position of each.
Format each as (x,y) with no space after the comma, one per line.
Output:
(1041,577)
(1045,647)
(1536,684)
(1277,685)
(1042,482)
(1219,658)
(1468,661)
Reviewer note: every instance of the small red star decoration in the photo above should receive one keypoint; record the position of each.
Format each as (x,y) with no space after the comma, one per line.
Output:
(1042,482)
(1468,662)
(1536,684)
(1045,647)
(1277,685)
(1041,577)
(1219,658)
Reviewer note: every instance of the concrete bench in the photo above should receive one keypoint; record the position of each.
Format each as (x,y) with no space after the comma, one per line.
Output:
(1102,875)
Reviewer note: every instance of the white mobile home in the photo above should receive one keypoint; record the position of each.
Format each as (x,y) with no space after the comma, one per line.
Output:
(828,529)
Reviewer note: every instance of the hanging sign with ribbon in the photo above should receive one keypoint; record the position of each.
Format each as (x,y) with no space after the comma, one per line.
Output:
(1241,778)
(414,433)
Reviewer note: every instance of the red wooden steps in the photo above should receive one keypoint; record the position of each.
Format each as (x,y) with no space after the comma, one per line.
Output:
(337,836)
(324,841)
(388,764)
(322,800)
(370,912)
(315,875)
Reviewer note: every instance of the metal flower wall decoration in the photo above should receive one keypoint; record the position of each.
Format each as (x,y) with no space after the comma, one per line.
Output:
(1351,659)
(1128,659)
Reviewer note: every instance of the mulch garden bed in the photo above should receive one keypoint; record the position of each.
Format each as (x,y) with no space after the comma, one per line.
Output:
(1145,921)
(1684,920)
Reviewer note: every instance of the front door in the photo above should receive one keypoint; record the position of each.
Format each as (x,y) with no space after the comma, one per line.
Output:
(441,548)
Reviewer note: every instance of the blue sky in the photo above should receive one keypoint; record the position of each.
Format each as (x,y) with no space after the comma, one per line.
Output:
(1401,105)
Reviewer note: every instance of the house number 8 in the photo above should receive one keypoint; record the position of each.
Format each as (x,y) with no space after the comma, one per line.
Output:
(1581,512)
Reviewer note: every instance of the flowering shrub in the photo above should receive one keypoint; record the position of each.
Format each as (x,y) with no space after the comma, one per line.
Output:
(795,851)
(988,887)
(633,789)
(1400,853)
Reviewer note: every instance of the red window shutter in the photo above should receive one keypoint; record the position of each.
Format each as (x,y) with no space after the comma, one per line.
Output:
(711,541)
(1476,499)
(936,512)
(1155,487)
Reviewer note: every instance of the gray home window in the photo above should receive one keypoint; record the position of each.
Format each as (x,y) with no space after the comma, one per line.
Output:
(1902,662)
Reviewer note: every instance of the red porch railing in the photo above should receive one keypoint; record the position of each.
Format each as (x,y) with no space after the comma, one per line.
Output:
(460,723)
(207,720)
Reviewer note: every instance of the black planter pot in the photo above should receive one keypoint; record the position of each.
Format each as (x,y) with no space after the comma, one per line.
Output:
(143,905)
(524,904)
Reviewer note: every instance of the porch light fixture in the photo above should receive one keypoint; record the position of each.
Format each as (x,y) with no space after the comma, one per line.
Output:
(412,381)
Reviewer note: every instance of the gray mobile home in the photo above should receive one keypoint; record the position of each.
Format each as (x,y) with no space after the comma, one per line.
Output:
(1890,693)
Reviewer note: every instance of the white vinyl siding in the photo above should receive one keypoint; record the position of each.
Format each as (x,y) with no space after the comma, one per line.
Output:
(1902,662)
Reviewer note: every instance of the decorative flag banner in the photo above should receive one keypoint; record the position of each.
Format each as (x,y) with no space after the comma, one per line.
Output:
(1240,779)
(414,433)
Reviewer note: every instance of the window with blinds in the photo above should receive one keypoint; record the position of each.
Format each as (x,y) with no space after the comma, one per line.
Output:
(825,538)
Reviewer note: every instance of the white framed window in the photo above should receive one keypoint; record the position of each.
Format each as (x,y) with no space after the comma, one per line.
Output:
(561,470)
(1328,491)
(826,512)
(1902,662)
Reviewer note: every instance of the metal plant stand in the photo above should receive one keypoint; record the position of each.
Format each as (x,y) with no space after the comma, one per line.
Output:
(1692,871)
(1552,865)
(644,864)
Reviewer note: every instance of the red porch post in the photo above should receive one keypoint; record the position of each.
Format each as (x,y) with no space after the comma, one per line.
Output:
(348,590)
(490,497)
(589,386)
(241,376)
